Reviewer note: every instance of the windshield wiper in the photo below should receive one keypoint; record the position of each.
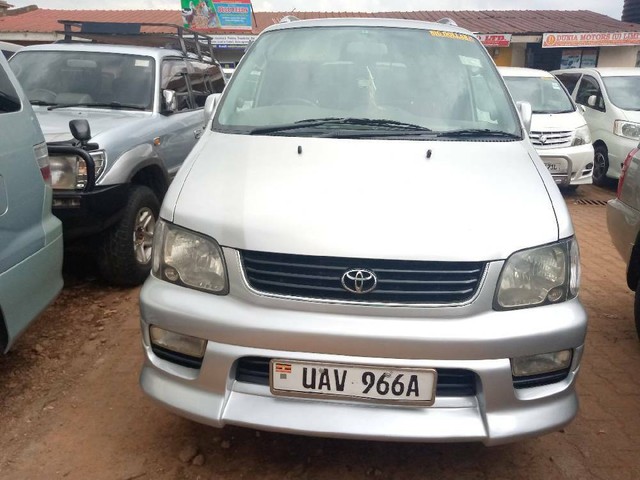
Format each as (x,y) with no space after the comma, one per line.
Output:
(114,105)
(40,102)
(383,124)
(478,133)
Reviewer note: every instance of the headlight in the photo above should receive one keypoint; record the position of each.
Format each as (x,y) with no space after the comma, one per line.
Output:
(189,259)
(581,136)
(69,172)
(539,276)
(627,129)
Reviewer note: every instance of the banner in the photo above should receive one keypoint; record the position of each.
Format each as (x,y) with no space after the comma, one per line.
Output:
(495,40)
(217,14)
(605,39)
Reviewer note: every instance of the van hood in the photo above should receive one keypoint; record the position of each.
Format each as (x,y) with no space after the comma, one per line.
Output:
(469,201)
(55,123)
(557,122)
(631,115)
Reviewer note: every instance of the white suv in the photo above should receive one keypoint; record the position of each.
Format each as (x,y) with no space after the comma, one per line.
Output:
(611,97)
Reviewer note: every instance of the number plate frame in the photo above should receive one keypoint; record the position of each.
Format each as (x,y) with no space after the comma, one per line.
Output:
(559,163)
(377,369)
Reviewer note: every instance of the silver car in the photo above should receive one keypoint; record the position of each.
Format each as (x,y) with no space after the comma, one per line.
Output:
(30,236)
(365,244)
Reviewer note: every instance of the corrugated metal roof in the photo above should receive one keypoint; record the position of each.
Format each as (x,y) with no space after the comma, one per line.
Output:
(492,21)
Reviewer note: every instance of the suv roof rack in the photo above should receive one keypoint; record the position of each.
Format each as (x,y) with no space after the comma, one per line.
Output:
(120,33)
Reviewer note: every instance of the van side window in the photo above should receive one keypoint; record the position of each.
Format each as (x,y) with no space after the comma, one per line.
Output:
(205,79)
(174,77)
(9,100)
(569,80)
(588,87)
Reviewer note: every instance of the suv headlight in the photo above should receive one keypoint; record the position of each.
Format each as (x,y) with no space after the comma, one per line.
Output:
(69,172)
(539,276)
(189,259)
(627,129)
(581,136)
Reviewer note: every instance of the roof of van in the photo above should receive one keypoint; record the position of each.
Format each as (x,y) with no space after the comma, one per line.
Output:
(522,72)
(605,71)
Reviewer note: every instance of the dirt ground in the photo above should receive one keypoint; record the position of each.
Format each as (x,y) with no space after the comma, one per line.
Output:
(70,405)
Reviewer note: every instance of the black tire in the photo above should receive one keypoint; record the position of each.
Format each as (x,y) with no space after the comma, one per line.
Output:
(636,310)
(128,242)
(600,166)
(569,188)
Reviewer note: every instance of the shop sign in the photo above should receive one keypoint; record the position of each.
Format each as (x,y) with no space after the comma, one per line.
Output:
(495,40)
(232,41)
(610,39)
(216,14)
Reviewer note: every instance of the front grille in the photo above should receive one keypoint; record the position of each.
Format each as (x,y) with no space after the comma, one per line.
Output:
(452,382)
(551,139)
(398,281)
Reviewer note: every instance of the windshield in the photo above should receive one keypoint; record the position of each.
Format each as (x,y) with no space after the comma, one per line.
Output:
(367,80)
(545,94)
(85,78)
(624,92)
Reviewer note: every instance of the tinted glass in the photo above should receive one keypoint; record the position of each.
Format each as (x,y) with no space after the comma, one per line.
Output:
(438,80)
(569,80)
(588,87)
(9,100)
(174,77)
(545,94)
(61,78)
(624,92)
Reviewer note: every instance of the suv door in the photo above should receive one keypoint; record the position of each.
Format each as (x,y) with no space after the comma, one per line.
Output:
(181,128)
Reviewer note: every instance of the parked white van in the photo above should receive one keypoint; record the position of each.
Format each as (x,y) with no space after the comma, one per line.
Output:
(365,244)
(558,129)
(611,97)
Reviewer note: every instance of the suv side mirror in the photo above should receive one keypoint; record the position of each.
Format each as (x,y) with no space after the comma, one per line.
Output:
(210,106)
(170,101)
(80,130)
(592,101)
(526,114)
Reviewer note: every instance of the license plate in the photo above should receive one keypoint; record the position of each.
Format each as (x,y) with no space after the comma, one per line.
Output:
(400,386)
(555,167)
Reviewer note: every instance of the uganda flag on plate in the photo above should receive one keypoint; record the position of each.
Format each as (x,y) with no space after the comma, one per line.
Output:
(283,368)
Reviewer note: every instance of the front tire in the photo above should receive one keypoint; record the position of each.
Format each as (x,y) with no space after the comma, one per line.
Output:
(636,309)
(600,165)
(125,253)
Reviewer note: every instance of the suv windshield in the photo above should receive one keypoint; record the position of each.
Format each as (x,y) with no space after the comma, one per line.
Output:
(317,81)
(624,92)
(65,78)
(545,94)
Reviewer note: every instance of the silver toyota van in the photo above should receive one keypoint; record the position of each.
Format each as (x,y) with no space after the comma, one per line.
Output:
(365,244)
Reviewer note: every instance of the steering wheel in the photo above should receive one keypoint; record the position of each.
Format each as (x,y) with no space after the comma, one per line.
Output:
(294,101)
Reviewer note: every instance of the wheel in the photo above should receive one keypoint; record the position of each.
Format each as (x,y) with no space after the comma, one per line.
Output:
(568,188)
(600,165)
(125,252)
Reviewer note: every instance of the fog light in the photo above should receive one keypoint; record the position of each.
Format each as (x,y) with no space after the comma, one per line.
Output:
(540,364)
(183,344)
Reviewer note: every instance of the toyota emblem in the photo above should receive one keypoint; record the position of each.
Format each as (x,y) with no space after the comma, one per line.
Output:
(543,139)
(358,280)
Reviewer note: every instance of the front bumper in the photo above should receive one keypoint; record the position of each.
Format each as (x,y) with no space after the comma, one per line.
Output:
(88,213)
(578,163)
(471,337)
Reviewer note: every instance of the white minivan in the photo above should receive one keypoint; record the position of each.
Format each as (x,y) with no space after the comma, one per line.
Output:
(558,129)
(364,243)
(611,98)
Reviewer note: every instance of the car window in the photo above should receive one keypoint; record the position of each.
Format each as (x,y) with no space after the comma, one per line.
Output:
(569,80)
(545,94)
(624,92)
(74,77)
(442,81)
(174,77)
(588,87)
(205,79)
(9,100)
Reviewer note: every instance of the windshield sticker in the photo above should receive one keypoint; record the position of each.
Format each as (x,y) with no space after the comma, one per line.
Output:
(470,61)
(142,63)
(452,35)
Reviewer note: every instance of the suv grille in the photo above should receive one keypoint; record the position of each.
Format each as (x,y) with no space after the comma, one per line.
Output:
(398,281)
(452,382)
(551,139)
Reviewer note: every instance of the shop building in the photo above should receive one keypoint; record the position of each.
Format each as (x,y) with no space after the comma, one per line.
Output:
(546,39)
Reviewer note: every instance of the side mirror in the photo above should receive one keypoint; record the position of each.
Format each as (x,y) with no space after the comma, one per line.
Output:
(592,101)
(210,106)
(526,114)
(80,130)
(170,101)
